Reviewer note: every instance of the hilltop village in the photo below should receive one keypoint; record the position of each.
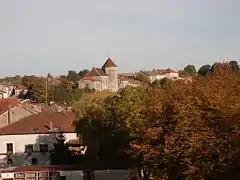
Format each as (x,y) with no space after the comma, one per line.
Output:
(88,119)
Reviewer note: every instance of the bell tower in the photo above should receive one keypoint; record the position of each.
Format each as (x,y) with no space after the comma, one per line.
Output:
(110,69)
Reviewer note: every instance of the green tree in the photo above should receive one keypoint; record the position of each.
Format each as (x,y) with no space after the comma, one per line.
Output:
(143,77)
(82,73)
(89,111)
(190,70)
(60,154)
(189,131)
(64,94)
(164,83)
(73,76)
(234,65)
(36,88)
(204,70)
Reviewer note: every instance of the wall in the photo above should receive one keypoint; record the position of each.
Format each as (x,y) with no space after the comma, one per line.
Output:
(17,113)
(99,175)
(113,78)
(100,84)
(111,175)
(19,142)
(167,75)
(72,175)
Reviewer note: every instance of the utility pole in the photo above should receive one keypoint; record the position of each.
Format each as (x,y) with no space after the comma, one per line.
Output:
(46,90)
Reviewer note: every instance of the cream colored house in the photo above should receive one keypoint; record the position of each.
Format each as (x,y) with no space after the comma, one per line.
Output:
(162,73)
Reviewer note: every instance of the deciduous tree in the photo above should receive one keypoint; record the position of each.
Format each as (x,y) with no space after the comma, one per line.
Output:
(190,70)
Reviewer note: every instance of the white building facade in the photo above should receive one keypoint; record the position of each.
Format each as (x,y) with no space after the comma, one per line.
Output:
(28,149)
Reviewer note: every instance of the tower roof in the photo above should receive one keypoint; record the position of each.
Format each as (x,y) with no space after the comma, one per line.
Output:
(109,63)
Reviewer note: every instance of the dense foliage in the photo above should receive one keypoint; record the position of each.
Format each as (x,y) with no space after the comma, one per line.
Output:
(171,130)
(43,90)
(190,70)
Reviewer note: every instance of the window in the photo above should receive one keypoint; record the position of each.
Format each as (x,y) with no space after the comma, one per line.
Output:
(43,148)
(34,161)
(9,148)
(9,161)
(29,148)
(63,177)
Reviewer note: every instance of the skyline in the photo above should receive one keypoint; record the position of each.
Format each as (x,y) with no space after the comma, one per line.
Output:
(38,37)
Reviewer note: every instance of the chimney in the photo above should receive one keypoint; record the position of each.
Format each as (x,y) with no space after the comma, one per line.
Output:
(9,114)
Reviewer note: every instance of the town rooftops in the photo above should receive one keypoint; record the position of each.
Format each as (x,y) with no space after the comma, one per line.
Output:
(6,103)
(50,168)
(41,123)
(161,71)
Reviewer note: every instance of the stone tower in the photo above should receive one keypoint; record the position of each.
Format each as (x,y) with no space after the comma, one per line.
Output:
(110,69)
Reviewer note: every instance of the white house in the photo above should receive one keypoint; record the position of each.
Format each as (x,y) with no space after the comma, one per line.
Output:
(5,91)
(28,141)
(163,73)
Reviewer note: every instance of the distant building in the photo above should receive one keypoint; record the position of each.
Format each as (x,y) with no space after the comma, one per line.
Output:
(5,91)
(128,79)
(12,110)
(159,74)
(20,89)
(100,79)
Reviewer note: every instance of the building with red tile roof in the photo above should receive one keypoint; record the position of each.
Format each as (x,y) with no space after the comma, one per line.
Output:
(7,103)
(35,124)
(101,79)
(35,133)
(157,74)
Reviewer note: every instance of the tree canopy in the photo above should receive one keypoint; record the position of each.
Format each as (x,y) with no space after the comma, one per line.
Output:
(186,131)
(190,70)
(204,70)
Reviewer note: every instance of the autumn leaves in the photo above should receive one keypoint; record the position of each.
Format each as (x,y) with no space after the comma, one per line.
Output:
(183,130)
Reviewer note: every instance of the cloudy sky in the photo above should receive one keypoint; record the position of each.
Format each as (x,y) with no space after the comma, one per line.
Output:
(41,36)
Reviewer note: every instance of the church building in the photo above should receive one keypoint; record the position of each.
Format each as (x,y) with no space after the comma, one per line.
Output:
(100,79)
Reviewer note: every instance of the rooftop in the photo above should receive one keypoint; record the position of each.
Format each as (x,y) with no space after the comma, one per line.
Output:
(155,72)
(109,63)
(40,123)
(6,103)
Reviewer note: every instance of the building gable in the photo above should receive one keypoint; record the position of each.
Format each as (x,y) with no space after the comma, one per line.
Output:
(95,72)
(109,63)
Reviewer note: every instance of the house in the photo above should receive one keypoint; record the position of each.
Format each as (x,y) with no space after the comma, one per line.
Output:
(158,74)
(125,80)
(30,140)
(101,79)
(12,110)
(20,89)
(5,91)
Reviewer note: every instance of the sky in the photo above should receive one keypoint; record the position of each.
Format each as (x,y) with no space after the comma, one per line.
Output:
(42,36)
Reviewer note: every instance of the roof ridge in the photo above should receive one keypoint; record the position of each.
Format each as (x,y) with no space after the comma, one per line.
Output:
(109,63)
(95,69)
